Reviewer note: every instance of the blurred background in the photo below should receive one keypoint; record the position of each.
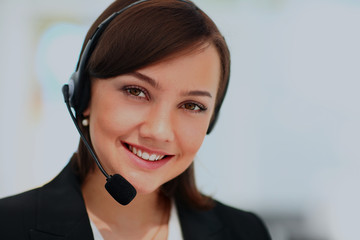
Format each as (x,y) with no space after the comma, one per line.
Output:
(287,142)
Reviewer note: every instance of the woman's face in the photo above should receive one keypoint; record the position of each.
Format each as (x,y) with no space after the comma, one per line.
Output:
(148,125)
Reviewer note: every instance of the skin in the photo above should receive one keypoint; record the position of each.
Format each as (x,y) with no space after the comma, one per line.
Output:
(163,109)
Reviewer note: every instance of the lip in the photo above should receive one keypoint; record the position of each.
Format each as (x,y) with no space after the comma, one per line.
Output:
(157,152)
(145,164)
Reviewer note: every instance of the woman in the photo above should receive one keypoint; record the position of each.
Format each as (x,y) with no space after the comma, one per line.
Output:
(148,88)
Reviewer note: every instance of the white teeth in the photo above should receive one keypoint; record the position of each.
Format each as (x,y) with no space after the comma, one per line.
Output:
(145,155)
(139,153)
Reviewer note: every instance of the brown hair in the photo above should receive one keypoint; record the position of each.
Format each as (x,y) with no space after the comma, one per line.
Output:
(145,34)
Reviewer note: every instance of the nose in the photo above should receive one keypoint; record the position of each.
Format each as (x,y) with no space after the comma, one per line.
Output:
(158,125)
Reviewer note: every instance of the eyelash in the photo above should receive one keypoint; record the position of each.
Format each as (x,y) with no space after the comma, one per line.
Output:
(202,108)
(127,89)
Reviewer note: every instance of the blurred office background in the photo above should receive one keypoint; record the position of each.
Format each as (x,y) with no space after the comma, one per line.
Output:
(287,142)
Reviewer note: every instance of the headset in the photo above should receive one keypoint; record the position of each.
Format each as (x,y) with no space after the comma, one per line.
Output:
(77,94)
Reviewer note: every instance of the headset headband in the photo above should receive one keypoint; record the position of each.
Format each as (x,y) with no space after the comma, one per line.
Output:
(79,87)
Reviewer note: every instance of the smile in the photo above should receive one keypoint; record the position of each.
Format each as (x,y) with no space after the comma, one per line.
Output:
(145,155)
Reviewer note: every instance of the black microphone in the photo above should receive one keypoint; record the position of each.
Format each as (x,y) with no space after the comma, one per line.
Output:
(117,186)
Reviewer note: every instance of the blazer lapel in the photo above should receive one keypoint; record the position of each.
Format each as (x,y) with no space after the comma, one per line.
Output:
(198,225)
(61,211)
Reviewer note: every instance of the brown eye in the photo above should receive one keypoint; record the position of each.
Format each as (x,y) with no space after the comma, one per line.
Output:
(193,107)
(136,92)
(190,106)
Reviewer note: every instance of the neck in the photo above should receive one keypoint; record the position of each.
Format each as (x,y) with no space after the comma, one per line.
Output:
(146,212)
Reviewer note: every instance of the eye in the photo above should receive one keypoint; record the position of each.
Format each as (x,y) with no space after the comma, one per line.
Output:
(193,107)
(136,92)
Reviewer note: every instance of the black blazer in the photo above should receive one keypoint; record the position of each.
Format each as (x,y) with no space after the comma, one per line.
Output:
(56,211)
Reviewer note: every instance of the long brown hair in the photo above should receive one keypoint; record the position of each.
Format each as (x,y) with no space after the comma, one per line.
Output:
(145,34)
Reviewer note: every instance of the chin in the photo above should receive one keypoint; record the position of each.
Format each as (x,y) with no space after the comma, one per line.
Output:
(146,191)
(144,186)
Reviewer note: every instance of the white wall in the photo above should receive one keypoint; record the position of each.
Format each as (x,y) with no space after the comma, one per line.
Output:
(287,141)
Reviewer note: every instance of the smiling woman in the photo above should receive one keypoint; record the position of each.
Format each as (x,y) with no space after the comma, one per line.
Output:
(167,115)
(148,88)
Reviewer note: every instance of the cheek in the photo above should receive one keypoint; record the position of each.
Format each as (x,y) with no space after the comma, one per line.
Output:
(189,141)
(112,121)
(191,138)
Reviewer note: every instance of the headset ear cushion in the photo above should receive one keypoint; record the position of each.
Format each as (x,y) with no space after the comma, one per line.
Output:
(72,87)
(83,95)
(79,92)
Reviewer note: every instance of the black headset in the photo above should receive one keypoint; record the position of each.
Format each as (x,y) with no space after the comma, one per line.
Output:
(79,86)
(77,94)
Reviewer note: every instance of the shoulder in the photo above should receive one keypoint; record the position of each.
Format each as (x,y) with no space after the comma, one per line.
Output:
(54,209)
(18,205)
(221,222)
(18,213)
(237,221)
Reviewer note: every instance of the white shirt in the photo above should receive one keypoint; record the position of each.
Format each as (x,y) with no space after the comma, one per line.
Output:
(174,231)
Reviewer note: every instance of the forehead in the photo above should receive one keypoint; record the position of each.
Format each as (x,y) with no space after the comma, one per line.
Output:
(199,68)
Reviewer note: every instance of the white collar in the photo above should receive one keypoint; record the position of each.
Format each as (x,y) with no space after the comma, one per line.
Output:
(174,229)
(96,233)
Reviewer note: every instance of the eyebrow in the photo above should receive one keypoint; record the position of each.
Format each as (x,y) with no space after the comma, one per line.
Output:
(197,93)
(154,84)
(145,78)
